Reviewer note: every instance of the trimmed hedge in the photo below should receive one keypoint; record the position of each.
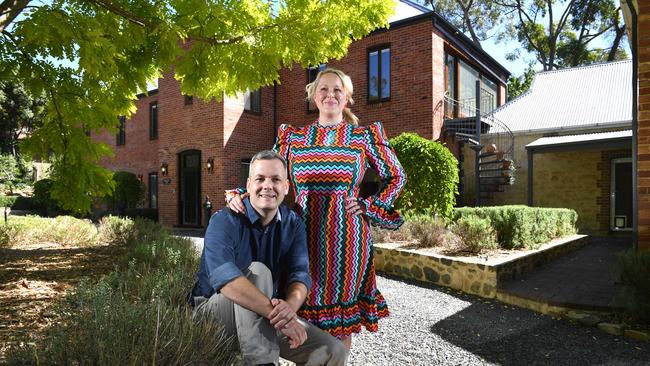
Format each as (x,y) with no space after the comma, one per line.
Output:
(522,226)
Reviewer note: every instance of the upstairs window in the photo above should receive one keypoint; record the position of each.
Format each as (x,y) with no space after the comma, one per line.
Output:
(121,132)
(312,72)
(460,80)
(253,101)
(153,121)
(379,74)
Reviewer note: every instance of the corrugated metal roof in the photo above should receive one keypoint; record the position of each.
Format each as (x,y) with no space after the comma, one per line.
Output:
(587,137)
(573,98)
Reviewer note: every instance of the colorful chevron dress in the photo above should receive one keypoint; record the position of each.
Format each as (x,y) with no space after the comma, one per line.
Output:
(327,165)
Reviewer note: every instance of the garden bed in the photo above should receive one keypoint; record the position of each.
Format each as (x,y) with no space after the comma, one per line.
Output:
(479,274)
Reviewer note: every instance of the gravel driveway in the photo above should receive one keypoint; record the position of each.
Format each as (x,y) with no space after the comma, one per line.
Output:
(437,326)
(433,326)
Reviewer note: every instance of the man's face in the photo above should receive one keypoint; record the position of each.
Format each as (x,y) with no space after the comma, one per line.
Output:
(267,184)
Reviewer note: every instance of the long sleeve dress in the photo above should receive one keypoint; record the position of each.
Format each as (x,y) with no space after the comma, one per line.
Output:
(326,165)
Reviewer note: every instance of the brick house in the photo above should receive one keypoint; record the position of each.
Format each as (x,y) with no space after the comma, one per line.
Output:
(637,20)
(185,149)
(571,145)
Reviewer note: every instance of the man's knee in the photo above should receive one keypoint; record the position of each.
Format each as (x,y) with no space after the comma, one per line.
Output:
(338,353)
(259,269)
(260,276)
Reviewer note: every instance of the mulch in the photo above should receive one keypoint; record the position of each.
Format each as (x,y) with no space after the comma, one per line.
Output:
(35,277)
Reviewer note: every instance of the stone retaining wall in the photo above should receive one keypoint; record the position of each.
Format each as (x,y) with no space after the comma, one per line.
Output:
(475,276)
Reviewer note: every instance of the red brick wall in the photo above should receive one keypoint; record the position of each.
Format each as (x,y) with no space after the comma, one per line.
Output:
(139,155)
(643,129)
(410,107)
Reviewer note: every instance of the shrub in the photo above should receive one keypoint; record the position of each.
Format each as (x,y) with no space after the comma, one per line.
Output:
(635,273)
(115,230)
(145,213)
(380,235)
(427,231)
(7,201)
(64,230)
(523,226)
(128,191)
(432,172)
(25,204)
(46,205)
(137,314)
(476,234)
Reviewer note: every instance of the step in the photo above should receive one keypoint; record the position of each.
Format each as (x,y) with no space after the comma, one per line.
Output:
(492,161)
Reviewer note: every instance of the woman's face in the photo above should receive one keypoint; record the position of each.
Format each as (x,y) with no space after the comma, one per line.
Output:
(330,97)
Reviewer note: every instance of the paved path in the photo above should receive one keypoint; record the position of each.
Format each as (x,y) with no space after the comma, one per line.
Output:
(433,326)
(586,279)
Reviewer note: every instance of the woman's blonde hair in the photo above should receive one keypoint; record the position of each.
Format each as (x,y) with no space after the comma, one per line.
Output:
(347,88)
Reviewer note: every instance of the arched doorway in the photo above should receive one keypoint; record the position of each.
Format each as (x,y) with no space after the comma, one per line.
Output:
(189,190)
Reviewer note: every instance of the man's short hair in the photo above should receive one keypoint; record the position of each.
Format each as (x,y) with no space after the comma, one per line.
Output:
(268,155)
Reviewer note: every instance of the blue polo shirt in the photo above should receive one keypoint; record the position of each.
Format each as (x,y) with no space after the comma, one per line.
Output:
(232,241)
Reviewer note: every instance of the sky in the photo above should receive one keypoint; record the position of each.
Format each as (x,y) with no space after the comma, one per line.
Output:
(498,51)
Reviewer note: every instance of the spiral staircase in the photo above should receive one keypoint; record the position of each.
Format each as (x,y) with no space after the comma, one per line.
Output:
(491,141)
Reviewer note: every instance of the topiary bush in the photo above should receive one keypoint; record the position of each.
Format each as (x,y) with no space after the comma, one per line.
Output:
(521,226)
(432,172)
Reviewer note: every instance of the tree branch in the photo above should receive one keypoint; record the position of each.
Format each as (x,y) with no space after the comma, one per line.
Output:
(9,10)
(124,13)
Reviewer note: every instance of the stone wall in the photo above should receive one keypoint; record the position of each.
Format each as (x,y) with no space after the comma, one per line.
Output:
(476,276)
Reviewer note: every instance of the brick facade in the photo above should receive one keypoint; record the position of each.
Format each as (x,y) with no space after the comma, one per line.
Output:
(224,131)
(643,128)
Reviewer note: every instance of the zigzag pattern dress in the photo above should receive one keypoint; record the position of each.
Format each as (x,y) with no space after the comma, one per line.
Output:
(326,165)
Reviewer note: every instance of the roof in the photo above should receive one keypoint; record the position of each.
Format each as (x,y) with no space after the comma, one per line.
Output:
(408,12)
(407,9)
(601,138)
(581,97)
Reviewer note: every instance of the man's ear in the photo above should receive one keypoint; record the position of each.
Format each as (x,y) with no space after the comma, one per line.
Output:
(248,182)
(286,187)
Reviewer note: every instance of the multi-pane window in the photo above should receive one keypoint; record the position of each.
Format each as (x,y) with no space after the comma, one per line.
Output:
(153,190)
(312,72)
(153,121)
(461,80)
(379,74)
(253,101)
(120,138)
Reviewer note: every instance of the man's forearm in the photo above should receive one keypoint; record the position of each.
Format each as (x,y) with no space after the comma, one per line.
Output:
(296,294)
(243,293)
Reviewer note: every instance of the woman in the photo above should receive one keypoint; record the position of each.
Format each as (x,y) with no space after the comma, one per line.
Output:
(327,161)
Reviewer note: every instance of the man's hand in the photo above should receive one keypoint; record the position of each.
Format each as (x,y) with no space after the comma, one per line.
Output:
(282,314)
(296,333)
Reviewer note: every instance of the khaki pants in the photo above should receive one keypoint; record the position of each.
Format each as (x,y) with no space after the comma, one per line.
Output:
(259,342)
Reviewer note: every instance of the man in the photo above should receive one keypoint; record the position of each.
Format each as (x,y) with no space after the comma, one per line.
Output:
(238,282)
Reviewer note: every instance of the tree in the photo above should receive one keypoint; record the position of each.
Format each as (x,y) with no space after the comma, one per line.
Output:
(20,114)
(518,85)
(565,40)
(473,17)
(91,58)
